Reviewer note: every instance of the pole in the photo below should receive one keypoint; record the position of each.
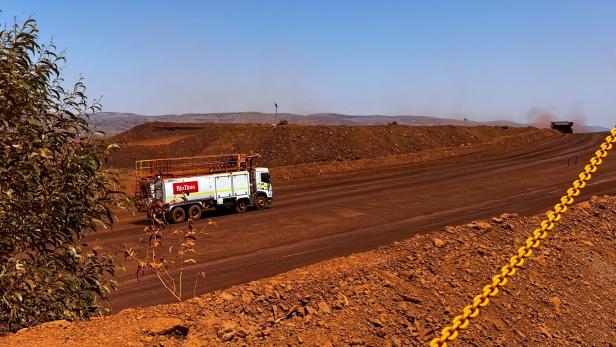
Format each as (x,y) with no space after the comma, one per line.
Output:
(276,114)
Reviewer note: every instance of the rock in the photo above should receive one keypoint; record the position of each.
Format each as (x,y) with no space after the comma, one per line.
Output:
(497,220)
(594,198)
(228,336)
(341,301)
(310,310)
(556,302)
(585,205)
(479,225)
(409,298)
(227,331)
(274,312)
(451,230)
(545,331)
(297,310)
(227,296)
(395,341)
(438,242)
(324,308)
(509,215)
(377,323)
(265,332)
(242,332)
(406,275)
(165,326)
(247,298)
(484,225)
(227,325)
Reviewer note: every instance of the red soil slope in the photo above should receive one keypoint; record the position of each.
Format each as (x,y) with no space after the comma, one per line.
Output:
(300,144)
(401,294)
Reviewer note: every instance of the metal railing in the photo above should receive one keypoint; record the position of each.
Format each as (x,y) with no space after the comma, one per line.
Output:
(203,165)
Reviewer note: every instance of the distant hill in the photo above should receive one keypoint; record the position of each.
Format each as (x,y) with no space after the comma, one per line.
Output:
(595,129)
(113,123)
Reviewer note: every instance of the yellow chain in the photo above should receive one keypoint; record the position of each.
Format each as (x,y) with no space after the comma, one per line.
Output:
(462,321)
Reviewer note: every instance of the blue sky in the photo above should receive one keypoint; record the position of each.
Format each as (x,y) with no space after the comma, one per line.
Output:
(477,59)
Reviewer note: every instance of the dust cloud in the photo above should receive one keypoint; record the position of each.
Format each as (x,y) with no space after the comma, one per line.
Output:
(541,117)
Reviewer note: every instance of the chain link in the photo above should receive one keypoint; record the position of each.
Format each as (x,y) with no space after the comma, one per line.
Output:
(462,321)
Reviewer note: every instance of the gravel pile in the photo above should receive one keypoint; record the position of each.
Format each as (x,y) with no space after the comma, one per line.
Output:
(402,294)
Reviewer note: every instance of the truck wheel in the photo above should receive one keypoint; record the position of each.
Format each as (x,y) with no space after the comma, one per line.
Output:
(178,215)
(240,206)
(194,212)
(261,202)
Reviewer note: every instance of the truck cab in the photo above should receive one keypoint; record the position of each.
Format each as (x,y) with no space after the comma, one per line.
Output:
(263,182)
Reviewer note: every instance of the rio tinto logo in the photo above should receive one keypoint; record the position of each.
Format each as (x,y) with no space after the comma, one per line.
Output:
(185,187)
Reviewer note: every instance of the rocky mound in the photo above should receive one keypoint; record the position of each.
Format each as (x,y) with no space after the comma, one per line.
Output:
(397,295)
(300,144)
(113,123)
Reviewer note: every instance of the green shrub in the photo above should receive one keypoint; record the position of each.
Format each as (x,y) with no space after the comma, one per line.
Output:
(53,189)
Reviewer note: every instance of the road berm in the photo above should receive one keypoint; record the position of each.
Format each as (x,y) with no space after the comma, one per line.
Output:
(400,294)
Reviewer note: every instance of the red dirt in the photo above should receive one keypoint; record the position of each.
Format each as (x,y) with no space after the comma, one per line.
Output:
(320,217)
(500,143)
(401,294)
(300,144)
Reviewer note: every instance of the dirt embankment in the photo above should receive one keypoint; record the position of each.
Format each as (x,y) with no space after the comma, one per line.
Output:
(401,294)
(113,123)
(297,144)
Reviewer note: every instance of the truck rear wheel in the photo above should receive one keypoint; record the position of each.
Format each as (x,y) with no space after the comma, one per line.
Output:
(261,202)
(241,206)
(194,212)
(178,215)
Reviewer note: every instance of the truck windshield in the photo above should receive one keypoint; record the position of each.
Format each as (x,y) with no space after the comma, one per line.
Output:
(265,177)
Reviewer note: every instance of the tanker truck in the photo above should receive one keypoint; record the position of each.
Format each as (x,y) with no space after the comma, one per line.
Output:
(187,186)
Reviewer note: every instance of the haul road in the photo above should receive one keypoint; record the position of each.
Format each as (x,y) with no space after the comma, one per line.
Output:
(323,217)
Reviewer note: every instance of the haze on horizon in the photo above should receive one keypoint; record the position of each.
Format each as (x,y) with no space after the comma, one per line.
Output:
(482,60)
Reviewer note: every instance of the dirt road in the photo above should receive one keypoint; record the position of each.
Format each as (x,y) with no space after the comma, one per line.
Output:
(333,216)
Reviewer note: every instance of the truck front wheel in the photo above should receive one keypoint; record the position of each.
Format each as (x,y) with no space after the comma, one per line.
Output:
(261,202)
(178,215)
(194,212)
(241,206)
